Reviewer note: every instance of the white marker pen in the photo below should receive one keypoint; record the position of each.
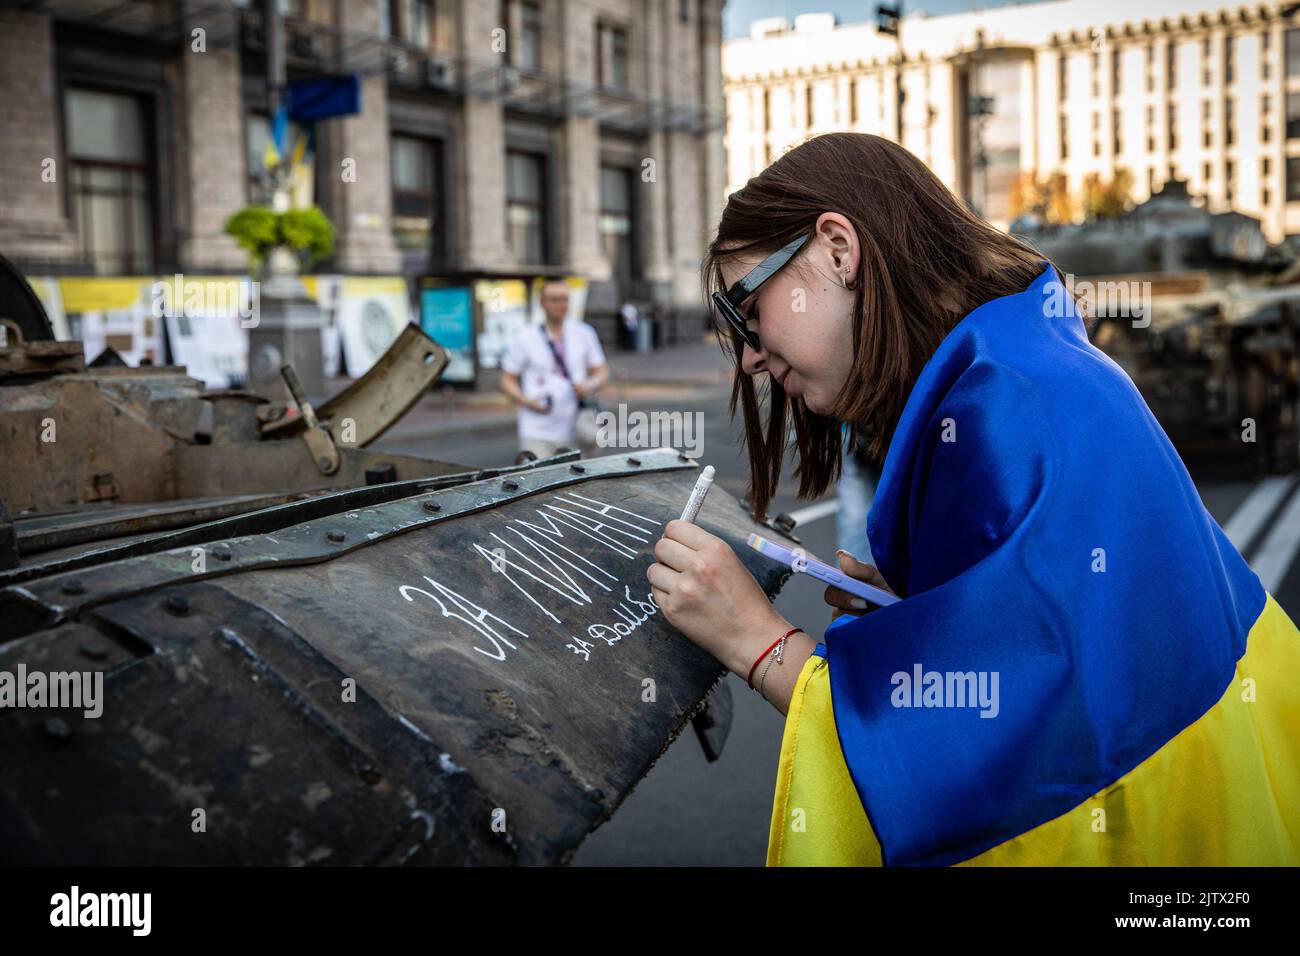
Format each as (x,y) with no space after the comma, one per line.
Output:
(697,494)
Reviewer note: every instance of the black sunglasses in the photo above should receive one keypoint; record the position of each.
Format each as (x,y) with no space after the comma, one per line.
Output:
(728,302)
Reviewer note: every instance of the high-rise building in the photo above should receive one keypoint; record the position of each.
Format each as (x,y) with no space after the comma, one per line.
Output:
(1165,89)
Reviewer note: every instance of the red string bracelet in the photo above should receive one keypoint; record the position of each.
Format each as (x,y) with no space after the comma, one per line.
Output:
(750,679)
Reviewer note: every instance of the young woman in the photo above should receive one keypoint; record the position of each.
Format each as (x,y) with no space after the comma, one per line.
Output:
(1082,670)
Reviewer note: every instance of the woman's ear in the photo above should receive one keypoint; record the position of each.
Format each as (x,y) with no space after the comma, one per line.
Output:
(837,236)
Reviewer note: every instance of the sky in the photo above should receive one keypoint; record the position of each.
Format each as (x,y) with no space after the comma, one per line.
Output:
(737,14)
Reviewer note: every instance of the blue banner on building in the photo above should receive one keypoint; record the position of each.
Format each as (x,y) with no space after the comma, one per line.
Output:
(325,98)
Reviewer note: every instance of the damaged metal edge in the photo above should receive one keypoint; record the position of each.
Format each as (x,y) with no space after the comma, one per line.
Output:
(62,596)
(262,520)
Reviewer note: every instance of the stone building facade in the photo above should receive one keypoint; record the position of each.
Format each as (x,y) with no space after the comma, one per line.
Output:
(509,137)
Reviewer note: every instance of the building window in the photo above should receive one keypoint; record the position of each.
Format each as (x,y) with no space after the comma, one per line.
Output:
(1114,73)
(611,55)
(525,45)
(1207,76)
(417,207)
(1293,179)
(1062,71)
(1172,120)
(1293,52)
(530,36)
(387,18)
(526,206)
(291,8)
(1229,121)
(1293,116)
(616,228)
(419,23)
(111,180)
(1117,140)
(1266,167)
(684,11)
(1096,75)
(1171,65)
(1229,59)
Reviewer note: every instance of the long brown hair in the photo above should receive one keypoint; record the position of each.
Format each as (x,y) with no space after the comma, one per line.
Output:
(926,261)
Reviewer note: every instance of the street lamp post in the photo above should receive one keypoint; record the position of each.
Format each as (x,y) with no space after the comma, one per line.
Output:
(889,21)
(290,325)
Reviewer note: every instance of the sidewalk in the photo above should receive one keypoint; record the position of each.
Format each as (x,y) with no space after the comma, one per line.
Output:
(674,373)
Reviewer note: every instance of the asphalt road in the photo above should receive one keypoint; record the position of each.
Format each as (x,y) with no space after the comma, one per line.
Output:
(688,811)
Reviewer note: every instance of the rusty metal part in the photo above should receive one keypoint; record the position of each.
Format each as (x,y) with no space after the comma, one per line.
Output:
(48,531)
(381,396)
(234,415)
(50,601)
(254,733)
(69,432)
(205,521)
(19,359)
(318,439)
(713,723)
(261,467)
(8,540)
(19,302)
(508,699)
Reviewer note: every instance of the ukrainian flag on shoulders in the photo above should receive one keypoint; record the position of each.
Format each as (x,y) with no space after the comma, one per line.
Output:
(1082,671)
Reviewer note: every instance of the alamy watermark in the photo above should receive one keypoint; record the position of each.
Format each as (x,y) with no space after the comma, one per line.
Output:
(202,298)
(76,908)
(54,689)
(656,429)
(1115,299)
(922,688)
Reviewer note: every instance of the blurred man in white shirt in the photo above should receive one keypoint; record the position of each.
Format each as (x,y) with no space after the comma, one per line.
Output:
(549,369)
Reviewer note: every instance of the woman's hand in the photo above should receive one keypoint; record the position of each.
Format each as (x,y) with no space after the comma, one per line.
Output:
(843,601)
(707,594)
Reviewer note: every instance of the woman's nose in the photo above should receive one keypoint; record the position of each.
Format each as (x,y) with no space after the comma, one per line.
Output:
(752,361)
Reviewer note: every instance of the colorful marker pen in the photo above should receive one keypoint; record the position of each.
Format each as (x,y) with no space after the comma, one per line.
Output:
(799,561)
